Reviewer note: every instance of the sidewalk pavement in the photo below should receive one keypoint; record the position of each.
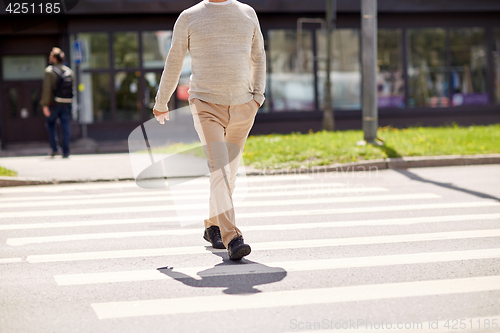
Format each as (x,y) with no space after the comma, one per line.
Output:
(35,170)
(80,146)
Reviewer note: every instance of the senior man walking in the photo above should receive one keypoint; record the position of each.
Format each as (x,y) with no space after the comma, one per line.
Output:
(228,64)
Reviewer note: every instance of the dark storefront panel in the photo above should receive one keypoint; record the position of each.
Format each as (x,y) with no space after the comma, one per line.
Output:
(436,63)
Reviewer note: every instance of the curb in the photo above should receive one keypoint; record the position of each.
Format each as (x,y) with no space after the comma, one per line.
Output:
(389,163)
(372,165)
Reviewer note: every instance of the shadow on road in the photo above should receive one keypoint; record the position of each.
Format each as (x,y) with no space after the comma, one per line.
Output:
(450,186)
(238,277)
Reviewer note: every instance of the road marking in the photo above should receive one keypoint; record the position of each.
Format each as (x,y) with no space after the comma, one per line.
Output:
(162,208)
(274,227)
(173,306)
(152,193)
(131,184)
(10,260)
(260,214)
(275,267)
(67,187)
(297,244)
(80,200)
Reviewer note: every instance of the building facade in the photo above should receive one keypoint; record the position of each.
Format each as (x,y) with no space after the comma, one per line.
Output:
(438,63)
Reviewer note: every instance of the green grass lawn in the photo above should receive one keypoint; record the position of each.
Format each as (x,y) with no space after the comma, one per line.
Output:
(7,172)
(324,148)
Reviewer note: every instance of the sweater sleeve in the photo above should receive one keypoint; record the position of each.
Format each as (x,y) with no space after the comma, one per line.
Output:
(173,64)
(258,69)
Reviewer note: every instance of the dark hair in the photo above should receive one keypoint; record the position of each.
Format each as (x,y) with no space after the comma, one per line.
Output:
(58,54)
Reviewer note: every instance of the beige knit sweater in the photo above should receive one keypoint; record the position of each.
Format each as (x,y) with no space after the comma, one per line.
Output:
(228,61)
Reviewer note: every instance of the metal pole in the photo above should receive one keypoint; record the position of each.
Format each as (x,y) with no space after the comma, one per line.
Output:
(328,118)
(369,54)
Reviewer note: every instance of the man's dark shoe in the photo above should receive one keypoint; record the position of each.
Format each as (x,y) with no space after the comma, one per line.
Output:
(212,235)
(53,153)
(238,249)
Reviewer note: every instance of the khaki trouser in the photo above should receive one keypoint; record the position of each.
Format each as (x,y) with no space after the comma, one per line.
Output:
(223,130)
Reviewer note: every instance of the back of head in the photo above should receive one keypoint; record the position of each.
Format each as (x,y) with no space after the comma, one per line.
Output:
(58,55)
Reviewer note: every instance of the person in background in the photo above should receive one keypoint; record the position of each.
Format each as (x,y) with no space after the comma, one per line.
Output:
(57,96)
(228,64)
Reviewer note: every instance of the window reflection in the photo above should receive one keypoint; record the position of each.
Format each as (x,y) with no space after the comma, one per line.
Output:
(96,48)
(496,60)
(390,80)
(152,83)
(35,101)
(468,66)
(13,97)
(291,76)
(126,49)
(96,98)
(128,104)
(427,75)
(345,66)
(155,47)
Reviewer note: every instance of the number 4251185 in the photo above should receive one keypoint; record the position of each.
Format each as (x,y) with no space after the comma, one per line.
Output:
(32,8)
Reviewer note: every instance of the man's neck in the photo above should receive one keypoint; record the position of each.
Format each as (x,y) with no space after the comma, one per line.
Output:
(217,0)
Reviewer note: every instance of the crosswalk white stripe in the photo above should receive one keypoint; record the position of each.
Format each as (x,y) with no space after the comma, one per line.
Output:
(276,267)
(335,187)
(141,197)
(67,187)
(297,244)
(132,184)
(163,208)
(10,260)
(18,241)
(302,212)
(172,306)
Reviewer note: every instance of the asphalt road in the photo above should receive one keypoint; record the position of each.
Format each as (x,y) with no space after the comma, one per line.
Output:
(366,251)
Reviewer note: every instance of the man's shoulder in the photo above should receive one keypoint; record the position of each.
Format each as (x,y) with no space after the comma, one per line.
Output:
(49,69)
(244,7)
(193,9)
(67,69)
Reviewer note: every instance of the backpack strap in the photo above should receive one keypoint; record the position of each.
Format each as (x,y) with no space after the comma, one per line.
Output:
(57,71)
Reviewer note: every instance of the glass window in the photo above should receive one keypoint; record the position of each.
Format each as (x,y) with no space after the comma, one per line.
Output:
(95,49)
(496,59)
(181,93)
(346,69)
(96,101)
(13,98)
(152,83)
(18,68)
(468,66)
(427,79)
(155,47)
(126,49)
(390,80)
(35,96)
(291,76)
(128,104)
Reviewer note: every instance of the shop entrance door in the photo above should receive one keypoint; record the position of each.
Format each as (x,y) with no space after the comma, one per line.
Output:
(22,116)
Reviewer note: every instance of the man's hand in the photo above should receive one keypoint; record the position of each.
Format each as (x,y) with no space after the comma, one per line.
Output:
(161,116)
(46,111)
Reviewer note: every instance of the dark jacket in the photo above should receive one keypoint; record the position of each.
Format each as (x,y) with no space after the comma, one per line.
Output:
(49,84)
